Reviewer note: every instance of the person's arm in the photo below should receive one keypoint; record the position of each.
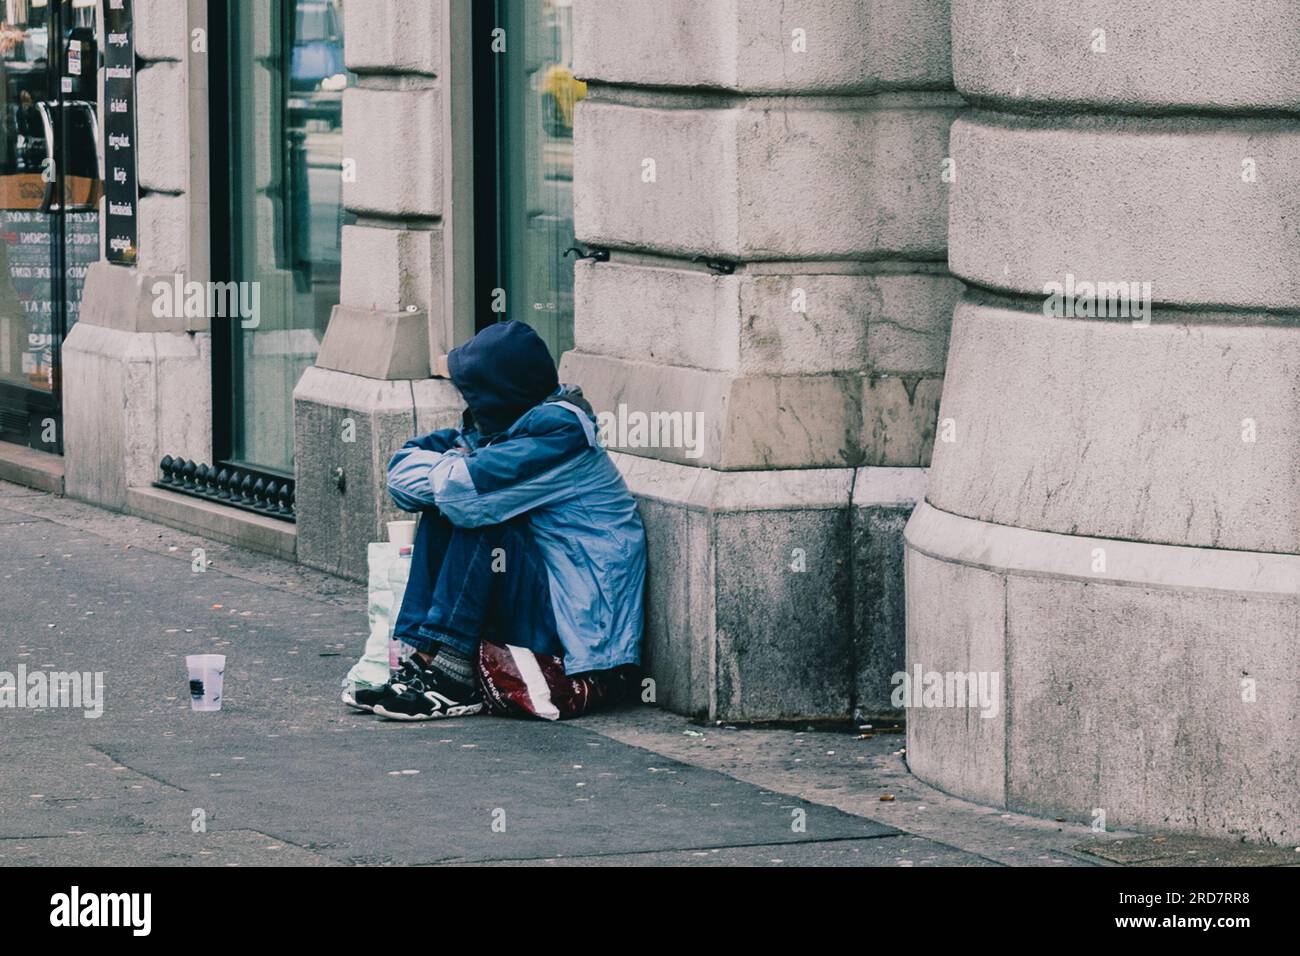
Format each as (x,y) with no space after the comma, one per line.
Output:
(443,439)
(497,482)
(405,480)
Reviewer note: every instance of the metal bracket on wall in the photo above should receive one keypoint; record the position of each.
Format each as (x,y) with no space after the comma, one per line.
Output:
(595,255)
(719,267)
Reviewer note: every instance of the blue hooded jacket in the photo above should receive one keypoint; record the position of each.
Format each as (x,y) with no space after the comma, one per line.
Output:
(529,446)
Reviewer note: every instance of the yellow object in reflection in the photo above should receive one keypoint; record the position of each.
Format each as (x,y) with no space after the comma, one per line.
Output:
(560,83)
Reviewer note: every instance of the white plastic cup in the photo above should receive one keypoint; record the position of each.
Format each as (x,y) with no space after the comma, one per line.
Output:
(401,533)
(207,677)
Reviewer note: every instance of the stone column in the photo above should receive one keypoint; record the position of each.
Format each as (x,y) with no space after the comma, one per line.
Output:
(137,386)
(768,180)
(405,293)
(1112,522)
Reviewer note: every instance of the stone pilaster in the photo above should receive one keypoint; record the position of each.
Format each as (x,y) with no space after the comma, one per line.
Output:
(769,180)
(1111,521)
(400,301)
(136,386)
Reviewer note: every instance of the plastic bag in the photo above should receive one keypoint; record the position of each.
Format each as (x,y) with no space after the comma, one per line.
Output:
(517,682)
(389,570)
(399,572)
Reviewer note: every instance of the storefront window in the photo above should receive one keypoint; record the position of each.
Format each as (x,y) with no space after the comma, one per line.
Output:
(49,194)
(525,94)
(281,236)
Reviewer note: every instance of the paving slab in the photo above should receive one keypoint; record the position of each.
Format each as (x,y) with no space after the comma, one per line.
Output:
(1185,850)
(904,851)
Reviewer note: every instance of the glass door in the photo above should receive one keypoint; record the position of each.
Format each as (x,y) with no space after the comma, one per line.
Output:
(49,197)
(524,99)
(278,215)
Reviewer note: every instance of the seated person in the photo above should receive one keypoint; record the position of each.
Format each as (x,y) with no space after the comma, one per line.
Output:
(527,537)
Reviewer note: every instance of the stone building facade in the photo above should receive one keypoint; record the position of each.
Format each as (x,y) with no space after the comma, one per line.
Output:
(778,211)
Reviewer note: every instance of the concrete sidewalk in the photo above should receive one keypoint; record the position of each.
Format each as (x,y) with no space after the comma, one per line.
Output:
(286,775)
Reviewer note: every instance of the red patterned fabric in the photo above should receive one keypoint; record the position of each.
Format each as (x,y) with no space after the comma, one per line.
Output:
(519,683)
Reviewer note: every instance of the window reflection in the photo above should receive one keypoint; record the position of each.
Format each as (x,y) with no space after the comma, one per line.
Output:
(287,207)
(46,241)
(536,100)
(26,297)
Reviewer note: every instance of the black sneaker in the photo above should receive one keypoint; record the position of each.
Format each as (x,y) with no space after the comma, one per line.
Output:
(365,698)
(428,695)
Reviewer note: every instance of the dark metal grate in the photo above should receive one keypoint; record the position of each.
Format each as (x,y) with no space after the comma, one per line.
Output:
(244,488)
(13,421)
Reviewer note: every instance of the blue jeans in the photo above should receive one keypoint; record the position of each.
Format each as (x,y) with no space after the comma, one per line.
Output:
(473,584)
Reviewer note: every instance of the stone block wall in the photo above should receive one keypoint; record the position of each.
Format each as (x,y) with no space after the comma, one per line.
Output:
(769,179)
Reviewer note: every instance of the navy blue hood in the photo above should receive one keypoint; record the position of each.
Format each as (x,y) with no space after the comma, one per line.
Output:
(502,372)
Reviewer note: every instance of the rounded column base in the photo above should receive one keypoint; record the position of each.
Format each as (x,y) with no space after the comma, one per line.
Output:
(1115,682)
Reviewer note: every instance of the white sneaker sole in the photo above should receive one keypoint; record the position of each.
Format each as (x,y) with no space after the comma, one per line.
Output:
(351,702)
(463,710)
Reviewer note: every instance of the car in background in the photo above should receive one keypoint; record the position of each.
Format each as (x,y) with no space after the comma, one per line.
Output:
(317,76)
